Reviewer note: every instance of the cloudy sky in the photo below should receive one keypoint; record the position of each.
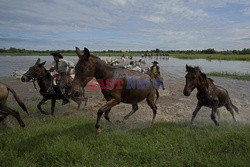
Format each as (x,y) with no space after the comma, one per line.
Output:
(125,24)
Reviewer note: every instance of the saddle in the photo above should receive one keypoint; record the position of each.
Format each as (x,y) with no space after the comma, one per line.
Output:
(55,84)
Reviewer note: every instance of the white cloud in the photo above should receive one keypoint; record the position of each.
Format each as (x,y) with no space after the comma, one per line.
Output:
(181,9)
(173,10)
(59,15)
(173,24)
(239,33)
(122,2)
(154,18)
(218,3)
(246,11)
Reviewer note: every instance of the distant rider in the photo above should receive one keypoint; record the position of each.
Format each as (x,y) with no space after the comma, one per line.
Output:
(155,69)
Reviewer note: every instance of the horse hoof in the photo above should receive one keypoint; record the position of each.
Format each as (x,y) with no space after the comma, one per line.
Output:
(98,131)
(45,113)
(118,121)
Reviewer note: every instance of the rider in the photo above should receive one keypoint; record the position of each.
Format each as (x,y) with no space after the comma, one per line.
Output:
(62,67)
(155,69)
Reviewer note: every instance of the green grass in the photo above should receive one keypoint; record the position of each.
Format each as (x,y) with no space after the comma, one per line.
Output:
(71,141)
(238,76)
(212,56)
(217,56)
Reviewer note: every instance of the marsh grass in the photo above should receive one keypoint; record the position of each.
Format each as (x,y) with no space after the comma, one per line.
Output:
(238,76)
(217,56)
(212,56)
(71,141)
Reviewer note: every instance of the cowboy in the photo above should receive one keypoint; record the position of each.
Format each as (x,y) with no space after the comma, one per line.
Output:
(155,69)
(61,67)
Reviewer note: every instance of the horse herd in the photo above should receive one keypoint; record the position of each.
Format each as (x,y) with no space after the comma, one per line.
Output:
(90,66)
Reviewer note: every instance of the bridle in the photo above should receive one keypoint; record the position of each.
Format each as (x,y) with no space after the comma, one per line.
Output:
(33,79)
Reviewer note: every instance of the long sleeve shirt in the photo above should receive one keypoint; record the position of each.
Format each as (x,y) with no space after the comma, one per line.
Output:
(63,65)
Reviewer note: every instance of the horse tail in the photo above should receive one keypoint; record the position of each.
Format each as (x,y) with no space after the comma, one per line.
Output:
(234,107)
(157,94)
(21,104)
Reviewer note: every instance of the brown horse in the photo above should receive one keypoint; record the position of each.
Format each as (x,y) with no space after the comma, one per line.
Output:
(47,90)
(209,94)
(92,66)
(4,110)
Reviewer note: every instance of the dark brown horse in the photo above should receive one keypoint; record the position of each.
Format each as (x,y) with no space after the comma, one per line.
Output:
(92,66)
(47,90)
(209,94)
(5,110)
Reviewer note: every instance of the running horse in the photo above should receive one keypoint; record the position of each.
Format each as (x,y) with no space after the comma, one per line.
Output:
(5,110)
(47,89)
(89,66)
(209,94)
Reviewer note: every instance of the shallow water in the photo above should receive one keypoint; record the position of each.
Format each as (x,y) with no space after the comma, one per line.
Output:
(170,67)
(176,67)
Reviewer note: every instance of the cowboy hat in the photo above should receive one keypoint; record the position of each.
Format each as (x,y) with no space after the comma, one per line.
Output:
(155,62)
(57,54)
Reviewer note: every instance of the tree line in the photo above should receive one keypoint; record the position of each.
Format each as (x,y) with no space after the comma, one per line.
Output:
(205,51)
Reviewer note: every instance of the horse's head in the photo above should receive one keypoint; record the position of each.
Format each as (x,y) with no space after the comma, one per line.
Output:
(194,79)
(83,69)
(34,71)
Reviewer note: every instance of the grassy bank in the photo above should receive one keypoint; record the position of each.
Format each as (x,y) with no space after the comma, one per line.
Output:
(238,76)
(212,56)
(71,141)
(216,56)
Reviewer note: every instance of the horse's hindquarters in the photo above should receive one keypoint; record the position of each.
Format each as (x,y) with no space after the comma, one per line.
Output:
(134,96)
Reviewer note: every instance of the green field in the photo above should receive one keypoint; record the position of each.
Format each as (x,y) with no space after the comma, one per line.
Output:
(71,141)
(212,56)
(238,76)
(217,56)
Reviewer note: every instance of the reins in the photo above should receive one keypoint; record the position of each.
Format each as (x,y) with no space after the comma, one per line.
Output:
(34,83)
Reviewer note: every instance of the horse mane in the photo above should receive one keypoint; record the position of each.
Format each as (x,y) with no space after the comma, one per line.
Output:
(210,80)
(197,68)
(47,72)
(95,57)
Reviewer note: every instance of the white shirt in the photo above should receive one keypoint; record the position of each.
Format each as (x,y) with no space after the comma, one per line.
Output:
(63,65)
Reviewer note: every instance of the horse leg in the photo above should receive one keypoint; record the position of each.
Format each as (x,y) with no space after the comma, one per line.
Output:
(53,103)
(85,99)
(103,109)
(161,84)
(3,115)
(77,101)
(218,113)
(134,109)
(229,107)
(14,114)
(78,105)
(214,109)
(151,103)
(40,108)
(106,116)
(197,109)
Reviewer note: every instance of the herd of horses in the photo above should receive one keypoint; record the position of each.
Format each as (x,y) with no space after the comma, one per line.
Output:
(208,94)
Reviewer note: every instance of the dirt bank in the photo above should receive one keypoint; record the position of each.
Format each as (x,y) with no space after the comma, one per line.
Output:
(172,104)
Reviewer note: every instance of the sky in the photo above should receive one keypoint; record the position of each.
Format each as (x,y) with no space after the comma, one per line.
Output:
(125,24)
